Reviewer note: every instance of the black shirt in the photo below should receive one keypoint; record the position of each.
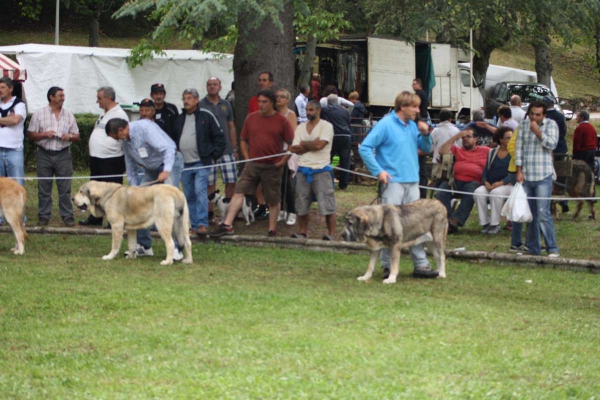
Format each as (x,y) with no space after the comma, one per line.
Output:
(424,103)
(165,118)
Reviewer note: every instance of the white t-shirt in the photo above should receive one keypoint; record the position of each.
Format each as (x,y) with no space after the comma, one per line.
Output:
(315,159)
(517,113)
(102,145)
(11,137)
(440,135)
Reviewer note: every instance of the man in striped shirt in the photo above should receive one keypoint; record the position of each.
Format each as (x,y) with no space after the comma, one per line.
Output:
(54,128)
(537,138)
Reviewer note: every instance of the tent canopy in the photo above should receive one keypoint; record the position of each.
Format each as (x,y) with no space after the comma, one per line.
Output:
(80,71)
(11,69)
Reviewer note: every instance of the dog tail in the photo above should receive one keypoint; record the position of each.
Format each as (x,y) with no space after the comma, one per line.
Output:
(182,228)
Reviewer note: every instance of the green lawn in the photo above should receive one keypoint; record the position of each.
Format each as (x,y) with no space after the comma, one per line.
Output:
(246,323)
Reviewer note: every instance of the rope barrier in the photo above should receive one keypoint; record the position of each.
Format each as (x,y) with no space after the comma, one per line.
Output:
(489,195)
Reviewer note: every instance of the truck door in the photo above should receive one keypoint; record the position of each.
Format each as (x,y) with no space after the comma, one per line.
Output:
(391,70)
(444,93)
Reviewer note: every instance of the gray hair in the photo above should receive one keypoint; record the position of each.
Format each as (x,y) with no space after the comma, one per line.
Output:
(193,92)
(315,103)
(332,99)
(584,115)
(478,115)
(108,92)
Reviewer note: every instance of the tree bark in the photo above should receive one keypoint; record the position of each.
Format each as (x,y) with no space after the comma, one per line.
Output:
(307,62)
(262,46)
(94,33)
(597,41)
(543,65)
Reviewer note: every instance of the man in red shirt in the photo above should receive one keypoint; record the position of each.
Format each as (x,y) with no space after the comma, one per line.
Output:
(585,139)
(265,82)
(469,163)
(263,135)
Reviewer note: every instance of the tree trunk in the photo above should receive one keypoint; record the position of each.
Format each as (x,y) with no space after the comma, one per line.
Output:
(543,65)
(94,34)
(262,46)
(307,63)
(597,41)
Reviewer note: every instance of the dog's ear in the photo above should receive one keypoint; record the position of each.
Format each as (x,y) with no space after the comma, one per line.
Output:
(361,226)
(217,191)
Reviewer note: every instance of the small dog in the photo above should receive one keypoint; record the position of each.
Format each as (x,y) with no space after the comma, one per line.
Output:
(13,199)
(222,203)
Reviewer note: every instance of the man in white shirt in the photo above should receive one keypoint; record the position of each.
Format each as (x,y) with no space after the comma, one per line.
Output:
(312,143)
(518,113)
(12,123)
(301,102)
(106,153)
(54,129)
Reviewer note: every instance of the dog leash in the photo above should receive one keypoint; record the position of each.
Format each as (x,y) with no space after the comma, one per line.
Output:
(150,183)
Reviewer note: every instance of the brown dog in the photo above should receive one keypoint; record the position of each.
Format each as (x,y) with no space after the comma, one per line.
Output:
(580,184)
(13,199)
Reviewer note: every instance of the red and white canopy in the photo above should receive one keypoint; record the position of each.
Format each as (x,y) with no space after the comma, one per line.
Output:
(11,69)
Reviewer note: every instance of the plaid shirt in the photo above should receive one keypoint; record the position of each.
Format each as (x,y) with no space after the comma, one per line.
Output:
(534,156)
(44,121)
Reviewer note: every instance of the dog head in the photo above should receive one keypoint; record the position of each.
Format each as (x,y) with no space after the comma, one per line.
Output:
(214,196)
(87,198)
(358,225)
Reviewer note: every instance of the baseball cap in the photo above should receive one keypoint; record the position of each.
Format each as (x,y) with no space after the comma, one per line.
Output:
(147,103)
(548,99)
(157,87)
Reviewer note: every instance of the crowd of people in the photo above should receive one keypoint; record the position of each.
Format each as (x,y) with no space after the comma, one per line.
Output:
(290,144)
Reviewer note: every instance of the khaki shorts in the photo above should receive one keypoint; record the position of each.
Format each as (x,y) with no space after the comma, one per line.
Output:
(321,187)
(267,174)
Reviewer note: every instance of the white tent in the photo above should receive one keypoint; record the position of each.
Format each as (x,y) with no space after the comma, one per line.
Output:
(82,70)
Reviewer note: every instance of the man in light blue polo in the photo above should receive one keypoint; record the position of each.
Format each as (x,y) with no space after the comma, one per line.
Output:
(395,140)
(147,147)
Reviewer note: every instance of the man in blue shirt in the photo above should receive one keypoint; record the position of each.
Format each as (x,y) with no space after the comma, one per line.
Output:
(395,140)
(147,147)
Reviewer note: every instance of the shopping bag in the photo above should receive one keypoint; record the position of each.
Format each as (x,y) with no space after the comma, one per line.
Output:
(516,208)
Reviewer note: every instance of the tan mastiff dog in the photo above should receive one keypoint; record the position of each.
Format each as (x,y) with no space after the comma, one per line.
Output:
(131,208)
(397,227)
(13,199)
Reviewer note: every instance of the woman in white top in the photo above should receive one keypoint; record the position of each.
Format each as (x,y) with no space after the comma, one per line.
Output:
(288,201)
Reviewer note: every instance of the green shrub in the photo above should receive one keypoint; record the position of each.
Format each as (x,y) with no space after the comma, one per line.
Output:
(80,151)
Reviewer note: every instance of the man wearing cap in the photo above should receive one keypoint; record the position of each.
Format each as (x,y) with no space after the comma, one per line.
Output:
(224,113)
(54,129)
(165,113)
(147,111)
(146,147)
(106,154)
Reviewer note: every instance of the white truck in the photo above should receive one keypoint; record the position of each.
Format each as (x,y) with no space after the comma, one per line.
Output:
(381,67)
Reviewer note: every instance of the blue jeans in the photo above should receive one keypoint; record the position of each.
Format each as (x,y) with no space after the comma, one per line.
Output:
(195,187)
(542,217)
(515,234)
(143,235)
(466,203)
(398,194)
(12,164)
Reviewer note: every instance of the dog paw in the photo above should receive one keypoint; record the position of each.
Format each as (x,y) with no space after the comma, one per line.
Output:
(187,260)
(16,252)
(166,262)
(131,256)
(389,281)
(108,257)
(364,278)
(442,275)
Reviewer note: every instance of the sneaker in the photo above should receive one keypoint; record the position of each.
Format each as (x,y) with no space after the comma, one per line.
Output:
(298,236)
(221,230)
(70,222)
(452,229)
(553,255)
(142,252)
(261,213)
(485,228)
(329,238)
(282,216)
(291,219)
(45,222)
(386,273)
(493,230)
(177,255)
(522,248)
(425,273)
(272,233)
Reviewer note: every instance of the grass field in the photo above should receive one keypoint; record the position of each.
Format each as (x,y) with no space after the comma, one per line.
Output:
(245,323)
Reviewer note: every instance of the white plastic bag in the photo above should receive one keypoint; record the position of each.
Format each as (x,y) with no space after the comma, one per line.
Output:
(516,208)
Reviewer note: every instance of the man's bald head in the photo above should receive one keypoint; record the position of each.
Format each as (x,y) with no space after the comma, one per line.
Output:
(515,100)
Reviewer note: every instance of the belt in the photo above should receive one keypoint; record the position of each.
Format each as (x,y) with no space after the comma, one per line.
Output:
(53,152)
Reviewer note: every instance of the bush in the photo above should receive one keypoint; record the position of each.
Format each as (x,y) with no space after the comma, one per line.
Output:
(80,151)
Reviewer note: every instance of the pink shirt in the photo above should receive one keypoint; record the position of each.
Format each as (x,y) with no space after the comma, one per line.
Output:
(469,165)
